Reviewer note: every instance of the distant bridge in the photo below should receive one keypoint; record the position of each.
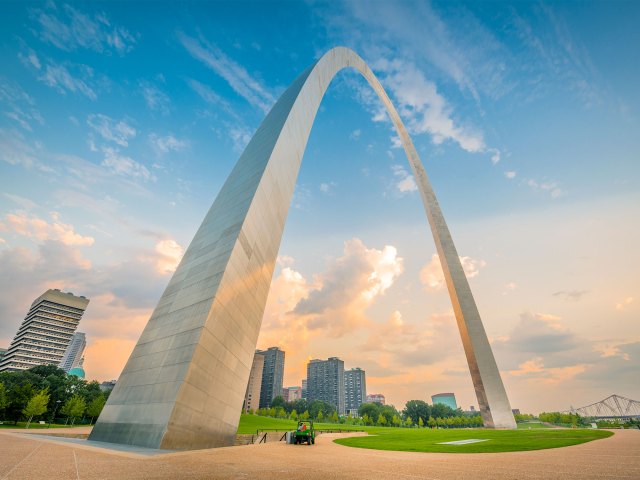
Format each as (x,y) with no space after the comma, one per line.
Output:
(611,408)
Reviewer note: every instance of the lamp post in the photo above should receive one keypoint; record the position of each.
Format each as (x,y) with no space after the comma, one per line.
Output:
(53,417)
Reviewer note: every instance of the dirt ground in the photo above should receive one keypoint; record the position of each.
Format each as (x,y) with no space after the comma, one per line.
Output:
(28,456)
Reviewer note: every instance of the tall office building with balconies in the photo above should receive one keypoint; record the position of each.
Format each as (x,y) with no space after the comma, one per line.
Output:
(46,331)
(355,390)
(272,375)
(325,381)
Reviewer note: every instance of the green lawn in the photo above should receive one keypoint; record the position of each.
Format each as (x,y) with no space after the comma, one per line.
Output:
(539,436)
(531,425)
(427,440)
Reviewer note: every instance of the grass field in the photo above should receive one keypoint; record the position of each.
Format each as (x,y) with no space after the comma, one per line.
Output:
(538,437)
(426,440)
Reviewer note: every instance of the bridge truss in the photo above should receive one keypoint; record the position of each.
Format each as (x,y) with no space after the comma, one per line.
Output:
(612,407)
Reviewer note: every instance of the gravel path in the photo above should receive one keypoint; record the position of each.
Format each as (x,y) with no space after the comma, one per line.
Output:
(31,457)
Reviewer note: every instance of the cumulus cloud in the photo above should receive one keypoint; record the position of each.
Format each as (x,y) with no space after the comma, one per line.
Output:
(510,175)
(70,29)
(117,131)
(348,286)
(41,230)
(432,276)
(169,255)
(426,110)
(403,181)
(535,369)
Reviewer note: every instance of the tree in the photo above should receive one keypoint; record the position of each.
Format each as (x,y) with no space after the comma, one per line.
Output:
(74,407)
(382,421)
(396,421)
(4,399)
(335,418)
(408,422)
(305,415)
(420,422)
(293,415)
(37,405)
(372,410)
(95,407)
(366,420)
(320,416)
(417,409)
(432,422)
(278,402)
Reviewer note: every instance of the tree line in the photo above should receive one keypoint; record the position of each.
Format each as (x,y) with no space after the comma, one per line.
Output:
(416,413)
(46,391)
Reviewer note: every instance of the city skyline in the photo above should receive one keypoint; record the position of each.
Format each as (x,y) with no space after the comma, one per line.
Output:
(109,163)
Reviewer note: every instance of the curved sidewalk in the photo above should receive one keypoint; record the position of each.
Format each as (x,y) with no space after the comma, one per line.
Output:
(32,457)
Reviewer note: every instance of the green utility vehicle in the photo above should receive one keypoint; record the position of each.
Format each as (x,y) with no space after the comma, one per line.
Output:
(305,433)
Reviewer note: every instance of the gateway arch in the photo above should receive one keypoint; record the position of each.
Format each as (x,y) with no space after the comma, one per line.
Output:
(184,383)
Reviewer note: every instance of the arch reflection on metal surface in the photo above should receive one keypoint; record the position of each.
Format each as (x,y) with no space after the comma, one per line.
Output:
(183,386)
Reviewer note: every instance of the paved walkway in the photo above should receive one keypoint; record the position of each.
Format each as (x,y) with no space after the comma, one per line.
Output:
(32,457)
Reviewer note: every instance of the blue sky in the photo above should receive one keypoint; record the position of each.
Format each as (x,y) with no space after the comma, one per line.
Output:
(120,122)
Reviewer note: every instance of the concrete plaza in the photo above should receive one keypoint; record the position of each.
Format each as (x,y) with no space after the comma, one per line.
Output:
(29,456)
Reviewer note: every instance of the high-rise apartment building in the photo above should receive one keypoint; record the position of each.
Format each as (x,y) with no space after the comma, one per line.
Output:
(73,355)
(3,351)
(46,331)
(355,390)
(291,394)
(304,388)
(325,381)
(252,395)
(272,375)
(376,398)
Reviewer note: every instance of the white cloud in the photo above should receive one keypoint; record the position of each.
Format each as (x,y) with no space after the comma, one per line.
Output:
(21,106)
(404,182)
(155,98)
(510,175)
(70,29)
(30,59)
(118,131)
(432,276)
(36,228)
(328,187)
(355,135)
(349,285)
(236,76)
(59,77)
(551,188)
(622,305)
(168,143)
(240,135)
(425,109)
(125,166)
(169,255)
(495,155)
(25,203)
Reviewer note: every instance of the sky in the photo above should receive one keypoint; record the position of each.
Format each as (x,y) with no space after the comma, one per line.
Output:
(119,123)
